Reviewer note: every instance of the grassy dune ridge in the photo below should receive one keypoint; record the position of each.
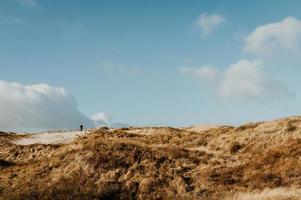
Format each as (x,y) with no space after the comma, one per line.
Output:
(254,161)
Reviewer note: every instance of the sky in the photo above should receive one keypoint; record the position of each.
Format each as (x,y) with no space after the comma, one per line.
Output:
(147,63)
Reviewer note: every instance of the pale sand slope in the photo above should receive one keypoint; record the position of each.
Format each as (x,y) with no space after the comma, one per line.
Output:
(51,137)
(68,136)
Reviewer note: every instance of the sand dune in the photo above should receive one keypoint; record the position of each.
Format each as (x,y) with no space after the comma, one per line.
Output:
(253,161)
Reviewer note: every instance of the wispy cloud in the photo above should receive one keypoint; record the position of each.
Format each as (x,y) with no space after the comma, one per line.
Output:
(206,73)
(118,68)
(28,3)
(207,23)
(11,20)
(70,30)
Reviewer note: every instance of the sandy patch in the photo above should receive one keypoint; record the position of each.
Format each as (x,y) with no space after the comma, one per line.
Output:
(202,127)
(50,137)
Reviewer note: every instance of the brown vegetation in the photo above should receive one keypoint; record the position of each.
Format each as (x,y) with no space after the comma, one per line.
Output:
(159,163)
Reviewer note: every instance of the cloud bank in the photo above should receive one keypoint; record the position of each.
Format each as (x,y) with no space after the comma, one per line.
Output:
(207,23)
(38,107)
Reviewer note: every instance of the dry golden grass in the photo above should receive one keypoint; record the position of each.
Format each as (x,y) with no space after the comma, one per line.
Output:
(159,163)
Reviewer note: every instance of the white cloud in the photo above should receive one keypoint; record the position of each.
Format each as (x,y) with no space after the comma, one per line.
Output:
(115,68)
(207,23)
(101,119)
(29,3)
(204,73)
(275,38)
(246,80)
(38,107)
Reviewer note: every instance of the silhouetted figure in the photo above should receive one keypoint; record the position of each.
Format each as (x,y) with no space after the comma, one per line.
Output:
(81,127)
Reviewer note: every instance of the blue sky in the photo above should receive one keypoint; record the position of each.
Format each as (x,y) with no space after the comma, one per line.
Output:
(156,62)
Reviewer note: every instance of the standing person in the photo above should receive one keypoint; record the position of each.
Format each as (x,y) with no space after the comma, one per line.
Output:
(81,127)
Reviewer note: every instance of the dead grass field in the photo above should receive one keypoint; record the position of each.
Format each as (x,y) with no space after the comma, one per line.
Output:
(256,161)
